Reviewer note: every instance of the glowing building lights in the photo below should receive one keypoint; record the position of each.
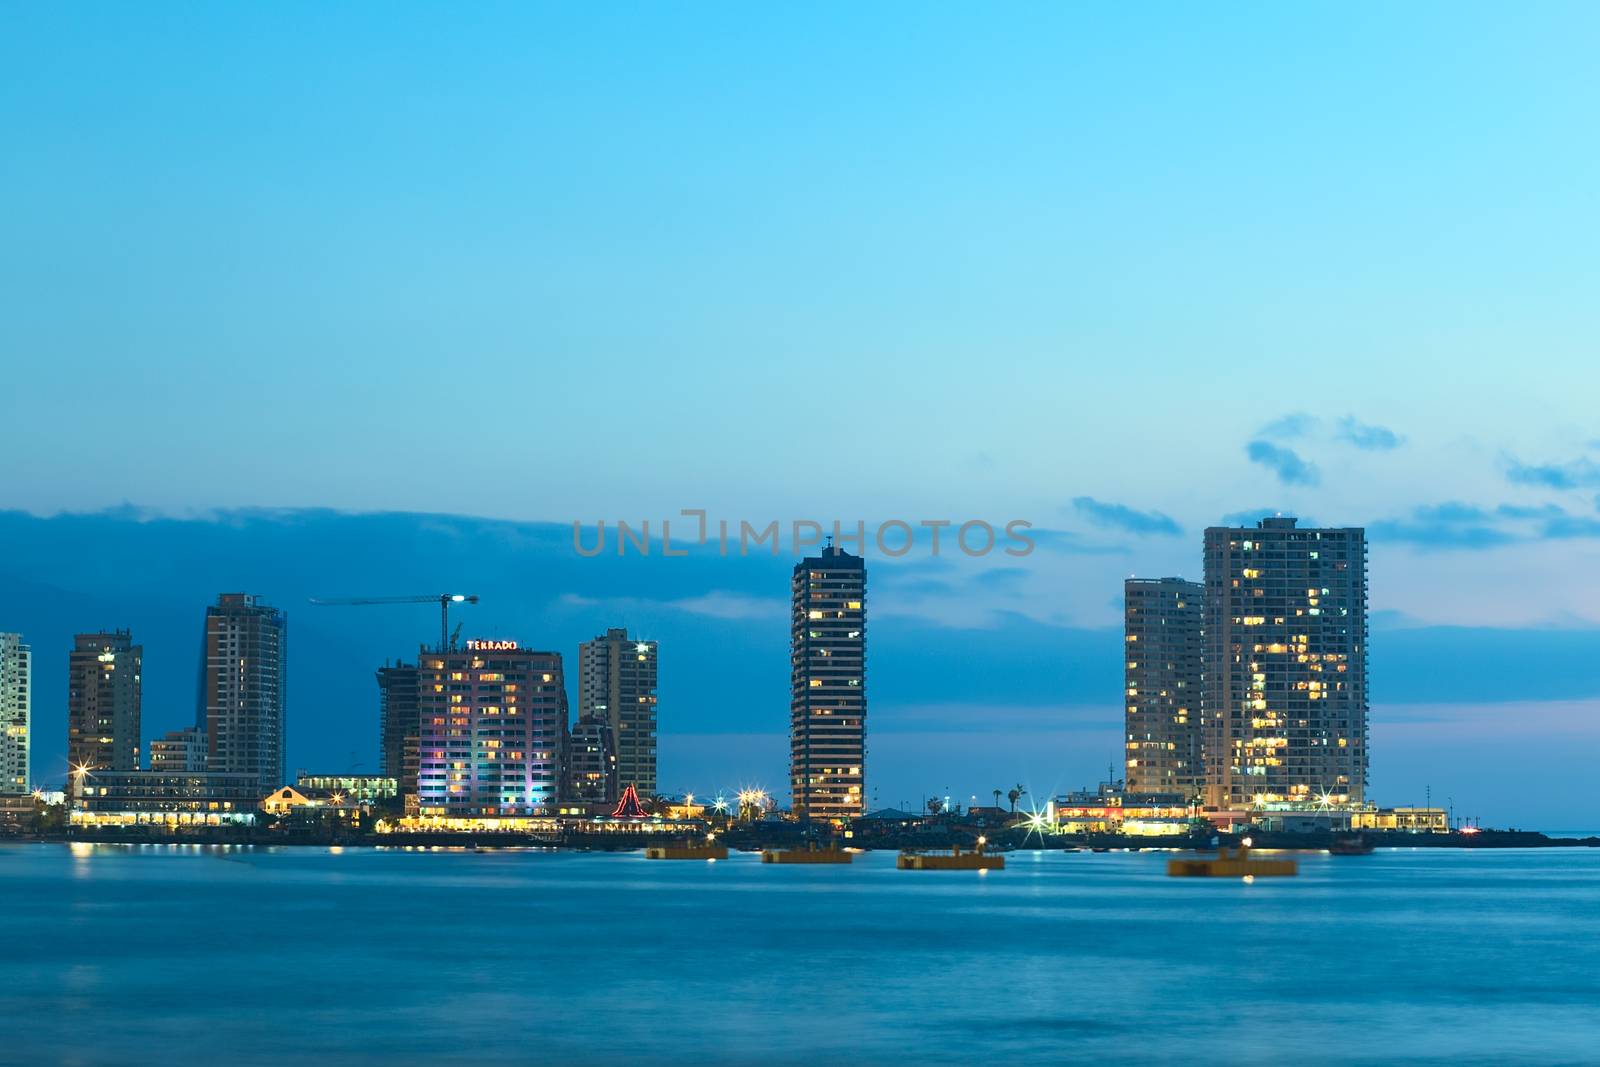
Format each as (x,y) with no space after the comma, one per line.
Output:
(1280,613)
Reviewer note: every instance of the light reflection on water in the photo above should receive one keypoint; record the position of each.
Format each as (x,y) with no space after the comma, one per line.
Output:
(146,954)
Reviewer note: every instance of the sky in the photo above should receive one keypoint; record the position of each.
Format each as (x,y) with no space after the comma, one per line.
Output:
(270,272)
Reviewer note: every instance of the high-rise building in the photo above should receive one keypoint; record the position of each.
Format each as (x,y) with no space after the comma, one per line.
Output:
(591,763)
(617,684)
(103,695)
(493,720)
(179,752)
(1164,666)
(828,699)
(16,707)
(243,686)
(1285,704)
(398,732)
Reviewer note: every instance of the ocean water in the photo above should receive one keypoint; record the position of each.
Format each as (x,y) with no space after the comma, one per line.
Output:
(173,954)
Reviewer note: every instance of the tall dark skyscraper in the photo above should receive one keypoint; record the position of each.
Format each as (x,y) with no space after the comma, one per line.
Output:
(617,685)
(398,730)
(591,763)
(1165,654)
(828,698)
(104,686)
(243,686)
(1285,703)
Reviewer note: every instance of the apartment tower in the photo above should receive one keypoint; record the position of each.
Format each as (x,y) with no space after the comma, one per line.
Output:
(493,722)
(828,695)
(242,688)
(1285,703)
(16,707)
(1164,657)
(399,734)
(103,701)
(617,685)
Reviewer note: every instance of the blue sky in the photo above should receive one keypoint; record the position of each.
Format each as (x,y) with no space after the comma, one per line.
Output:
(1120,272)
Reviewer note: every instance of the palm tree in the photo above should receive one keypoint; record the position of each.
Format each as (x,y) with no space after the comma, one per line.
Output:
(997,798)
(1015,795)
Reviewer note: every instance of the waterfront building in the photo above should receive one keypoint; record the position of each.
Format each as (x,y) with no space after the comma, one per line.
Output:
(398,731)
(493,722)
(162,798)
(368,789)
(103,701)
(617,684)
(306,805)
(591,763)
(828,695)
(179,751)
(242,690)
(1412,820)
(1112,807)
(1164,664)
(16,713)
(1285,692)
(18,810)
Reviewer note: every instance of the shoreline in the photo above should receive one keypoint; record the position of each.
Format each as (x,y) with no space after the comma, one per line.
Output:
(747,841)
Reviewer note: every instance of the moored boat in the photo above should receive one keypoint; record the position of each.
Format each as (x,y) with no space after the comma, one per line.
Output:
(1239,865)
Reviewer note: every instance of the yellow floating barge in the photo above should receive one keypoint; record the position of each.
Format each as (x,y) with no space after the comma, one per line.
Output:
(954,860)
(1238,865)
(687,852)
(807,855)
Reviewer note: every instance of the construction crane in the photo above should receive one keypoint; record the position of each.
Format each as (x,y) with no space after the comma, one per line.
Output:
(444,600)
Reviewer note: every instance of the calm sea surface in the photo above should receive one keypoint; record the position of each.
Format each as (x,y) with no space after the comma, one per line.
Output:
(172,954)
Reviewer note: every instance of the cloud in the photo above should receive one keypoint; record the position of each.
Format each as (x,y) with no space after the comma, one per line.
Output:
(1443,535)
(1288,427)
(1451,525)
(1571,526)
(1457,525)
(1367,436)
(1520,511)
(1581,473)
(1284,462)
(715,604)
(1126,518)
(1452,512)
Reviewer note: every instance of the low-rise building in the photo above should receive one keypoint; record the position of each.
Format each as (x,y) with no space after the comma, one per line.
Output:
(1415,820)
(130,798)
(313,805)
(371,790)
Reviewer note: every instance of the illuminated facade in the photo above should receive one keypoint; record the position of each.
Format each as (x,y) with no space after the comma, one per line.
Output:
(1412,820)
(617,684)
(243,683)
(367,789)
(492,722)
(1164,666)
(1285,705)
(398,732)
(16,713)
(180,750)
(126,798)
(828,698)
(103,701)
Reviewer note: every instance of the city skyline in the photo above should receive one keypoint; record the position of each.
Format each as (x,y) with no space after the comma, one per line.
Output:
(1064,735)
(885,500)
